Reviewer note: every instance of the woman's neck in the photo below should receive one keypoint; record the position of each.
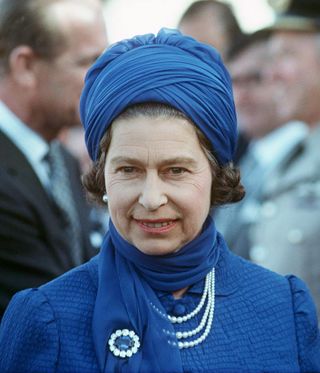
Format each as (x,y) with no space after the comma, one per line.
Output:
(179,293)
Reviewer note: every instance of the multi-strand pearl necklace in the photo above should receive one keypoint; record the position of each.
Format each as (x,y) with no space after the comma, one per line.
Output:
(206,320)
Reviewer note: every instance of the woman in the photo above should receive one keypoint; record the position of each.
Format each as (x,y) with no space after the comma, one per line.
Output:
(165,294)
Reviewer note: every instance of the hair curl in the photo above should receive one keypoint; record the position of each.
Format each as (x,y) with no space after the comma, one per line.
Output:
(226,185)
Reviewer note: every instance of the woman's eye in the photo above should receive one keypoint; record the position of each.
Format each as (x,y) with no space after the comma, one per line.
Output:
(177,170)
(127,169)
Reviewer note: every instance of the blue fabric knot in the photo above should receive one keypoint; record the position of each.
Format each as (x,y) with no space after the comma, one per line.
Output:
(179,309)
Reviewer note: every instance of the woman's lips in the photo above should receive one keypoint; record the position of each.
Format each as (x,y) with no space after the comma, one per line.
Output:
(156,226)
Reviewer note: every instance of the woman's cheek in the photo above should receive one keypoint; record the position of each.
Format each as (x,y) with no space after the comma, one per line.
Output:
(122,192)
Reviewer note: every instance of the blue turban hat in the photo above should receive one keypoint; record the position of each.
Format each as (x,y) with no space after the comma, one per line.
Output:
(167,68)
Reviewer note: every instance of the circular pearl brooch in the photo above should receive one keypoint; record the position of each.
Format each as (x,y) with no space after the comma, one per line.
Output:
(124,343)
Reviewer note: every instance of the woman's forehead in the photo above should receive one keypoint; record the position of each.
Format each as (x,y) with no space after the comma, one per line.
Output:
(154,137)
(153,128)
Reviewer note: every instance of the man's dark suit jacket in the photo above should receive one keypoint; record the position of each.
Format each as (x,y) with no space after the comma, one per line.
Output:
(33,241)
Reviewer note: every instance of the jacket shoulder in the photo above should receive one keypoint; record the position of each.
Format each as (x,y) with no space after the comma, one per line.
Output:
(76,285)
(50,326)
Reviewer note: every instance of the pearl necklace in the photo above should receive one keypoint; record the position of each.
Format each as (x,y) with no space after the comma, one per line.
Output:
(181,319)
(206,320)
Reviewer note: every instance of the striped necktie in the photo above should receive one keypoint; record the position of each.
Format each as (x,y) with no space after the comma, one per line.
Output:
(60,189)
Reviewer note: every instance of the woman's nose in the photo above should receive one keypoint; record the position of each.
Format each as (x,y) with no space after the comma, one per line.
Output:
(152,195)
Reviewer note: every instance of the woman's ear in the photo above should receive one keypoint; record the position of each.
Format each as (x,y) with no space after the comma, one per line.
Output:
(21,64)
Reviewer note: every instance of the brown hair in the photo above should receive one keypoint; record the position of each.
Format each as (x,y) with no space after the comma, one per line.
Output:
(226,185)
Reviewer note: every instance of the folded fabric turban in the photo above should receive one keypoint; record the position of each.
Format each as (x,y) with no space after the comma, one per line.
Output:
(167,68)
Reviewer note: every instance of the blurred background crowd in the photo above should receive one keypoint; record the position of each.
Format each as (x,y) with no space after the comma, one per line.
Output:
(272,51)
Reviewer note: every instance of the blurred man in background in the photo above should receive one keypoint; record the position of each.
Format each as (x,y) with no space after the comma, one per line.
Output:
(211,22)
(46,47)
(270,138)
(277,224)
(253,94)
(286,235)
(73,139)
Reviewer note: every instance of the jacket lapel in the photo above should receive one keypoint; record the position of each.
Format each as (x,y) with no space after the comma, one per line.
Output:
(16,166)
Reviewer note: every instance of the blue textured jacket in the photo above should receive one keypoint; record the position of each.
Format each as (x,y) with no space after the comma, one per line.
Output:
(263,323)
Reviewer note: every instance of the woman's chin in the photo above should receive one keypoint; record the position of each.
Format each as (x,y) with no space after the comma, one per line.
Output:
(157,249)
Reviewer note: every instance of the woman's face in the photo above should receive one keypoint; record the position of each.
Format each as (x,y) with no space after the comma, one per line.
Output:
(158,183)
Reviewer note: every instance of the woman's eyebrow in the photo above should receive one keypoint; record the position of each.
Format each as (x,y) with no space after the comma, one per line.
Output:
(180,160)
(124,159)
(186,160)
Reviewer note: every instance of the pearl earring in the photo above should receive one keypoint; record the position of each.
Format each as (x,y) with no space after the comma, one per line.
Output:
(105,198)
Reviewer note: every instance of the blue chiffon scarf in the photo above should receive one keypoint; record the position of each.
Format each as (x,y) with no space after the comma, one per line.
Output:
(127,279)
